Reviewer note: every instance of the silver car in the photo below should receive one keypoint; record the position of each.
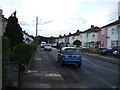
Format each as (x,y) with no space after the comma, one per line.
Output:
(47,47)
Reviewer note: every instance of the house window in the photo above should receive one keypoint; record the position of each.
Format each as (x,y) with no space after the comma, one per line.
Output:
(102,31)
(113,31)
(87,35)
(112,43)
(93,35)
(118,43)
(102,44)
(73,37)
(81,36)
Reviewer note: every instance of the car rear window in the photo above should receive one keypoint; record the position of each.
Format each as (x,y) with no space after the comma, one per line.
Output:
(47,45)
(71,51)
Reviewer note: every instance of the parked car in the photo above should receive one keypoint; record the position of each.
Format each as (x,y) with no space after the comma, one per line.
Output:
(112,49)
(42,44)
(103,51)
(84,47)
(54,45)
(69,55)
(117,52)
(47,47)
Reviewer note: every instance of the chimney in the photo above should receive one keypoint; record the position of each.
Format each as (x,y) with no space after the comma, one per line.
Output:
(92,26)
(1,14)
(1,11)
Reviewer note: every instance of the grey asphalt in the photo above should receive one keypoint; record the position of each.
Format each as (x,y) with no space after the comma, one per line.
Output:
(46,72)
(111,59)
(43,74)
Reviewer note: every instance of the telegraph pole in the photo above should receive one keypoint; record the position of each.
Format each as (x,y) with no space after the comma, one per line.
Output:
(36,26)
(36,29)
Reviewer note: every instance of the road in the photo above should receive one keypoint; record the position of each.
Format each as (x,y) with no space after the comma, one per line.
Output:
(46,72)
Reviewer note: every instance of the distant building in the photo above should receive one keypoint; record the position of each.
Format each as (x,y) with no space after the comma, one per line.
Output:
(27,38)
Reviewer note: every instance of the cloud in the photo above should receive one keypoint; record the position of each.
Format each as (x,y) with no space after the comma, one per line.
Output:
(61,16)
(41,22)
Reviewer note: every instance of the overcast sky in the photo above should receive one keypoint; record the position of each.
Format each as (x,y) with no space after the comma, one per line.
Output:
(57,17)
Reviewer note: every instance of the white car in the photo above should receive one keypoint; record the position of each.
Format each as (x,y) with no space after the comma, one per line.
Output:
(47,47)
(85,47)
(117,52)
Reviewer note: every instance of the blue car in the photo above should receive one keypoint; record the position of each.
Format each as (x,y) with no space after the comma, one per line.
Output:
(69,55)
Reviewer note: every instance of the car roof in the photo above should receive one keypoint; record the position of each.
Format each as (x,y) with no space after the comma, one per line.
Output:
(63,48)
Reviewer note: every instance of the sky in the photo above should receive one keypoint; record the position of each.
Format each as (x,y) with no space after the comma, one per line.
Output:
(59,17)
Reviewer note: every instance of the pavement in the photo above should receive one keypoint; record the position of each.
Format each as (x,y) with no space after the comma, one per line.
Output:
(42,73)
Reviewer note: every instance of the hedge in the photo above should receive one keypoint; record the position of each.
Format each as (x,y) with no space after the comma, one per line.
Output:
(5,59)
(23,52)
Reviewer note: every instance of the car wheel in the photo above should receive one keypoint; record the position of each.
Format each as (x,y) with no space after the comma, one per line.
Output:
(79,64)
(62,64)
(58,60)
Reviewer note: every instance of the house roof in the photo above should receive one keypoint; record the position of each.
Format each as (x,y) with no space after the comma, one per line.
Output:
(113,23)
(92,29)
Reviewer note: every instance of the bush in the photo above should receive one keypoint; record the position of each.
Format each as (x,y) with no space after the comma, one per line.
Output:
(23,52)
(77,43)
(5,59)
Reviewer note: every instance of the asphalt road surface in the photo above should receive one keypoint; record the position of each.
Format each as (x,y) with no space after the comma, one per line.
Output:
(46,72)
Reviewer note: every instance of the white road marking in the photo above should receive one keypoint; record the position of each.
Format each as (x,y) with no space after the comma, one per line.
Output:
(38,59)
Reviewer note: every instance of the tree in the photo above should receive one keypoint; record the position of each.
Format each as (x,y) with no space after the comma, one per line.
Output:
(77,43)
(14,31)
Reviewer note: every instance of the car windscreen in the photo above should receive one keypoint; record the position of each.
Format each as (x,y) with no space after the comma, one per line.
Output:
(71,52)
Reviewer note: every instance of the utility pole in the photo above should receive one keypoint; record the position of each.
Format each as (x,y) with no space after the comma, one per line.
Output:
(36,29)
(36,26)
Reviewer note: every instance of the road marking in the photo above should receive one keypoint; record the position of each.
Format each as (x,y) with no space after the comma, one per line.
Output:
(38,59)
(30,71)
(52,75)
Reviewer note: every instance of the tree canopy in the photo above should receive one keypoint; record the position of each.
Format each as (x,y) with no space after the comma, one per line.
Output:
(14,31)
(77,43)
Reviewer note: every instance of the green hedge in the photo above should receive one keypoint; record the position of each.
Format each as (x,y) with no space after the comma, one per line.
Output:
(23,52)
(5,59)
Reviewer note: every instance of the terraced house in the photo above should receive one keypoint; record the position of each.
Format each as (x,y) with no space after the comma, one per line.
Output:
(108,35)
(90,37)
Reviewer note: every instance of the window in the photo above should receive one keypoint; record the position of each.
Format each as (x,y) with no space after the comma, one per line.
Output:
(118,43)
(112,43)
(73,37)
(102,31)
(113,31)
(115,43)
(81,36)
(102,44)
(86,35)
(93,35)
(70,51)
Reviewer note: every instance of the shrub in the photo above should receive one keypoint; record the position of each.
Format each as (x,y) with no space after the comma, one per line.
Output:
(77,43)
(23,52)
(5,59)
